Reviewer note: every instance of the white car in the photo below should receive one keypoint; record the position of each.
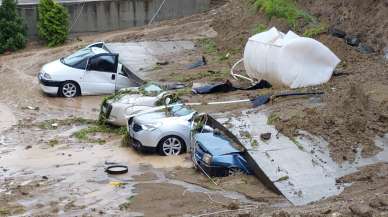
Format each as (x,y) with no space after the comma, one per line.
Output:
(166,131)
(93,70)
(118,108)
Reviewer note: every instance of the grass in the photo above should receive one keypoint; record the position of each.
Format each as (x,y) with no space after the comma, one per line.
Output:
(285,9)
(84,134)
(283,178)
(53,142)
(315,30)
(273,118)
(125,205)
(259,28)
(48,124)
(300,146)
(209,45)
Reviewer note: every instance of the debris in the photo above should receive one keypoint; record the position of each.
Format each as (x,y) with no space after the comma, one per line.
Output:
(35,108)
(337,33)
(352,41)
(215,88)
(44,177)
(283,178)
(28,147)
(116,169)
(365,49)
(227,86)
(233,206)
(162,63)
(117,184)
(199,63)
(385,51)
(54,125)
(265,136)
(264,99)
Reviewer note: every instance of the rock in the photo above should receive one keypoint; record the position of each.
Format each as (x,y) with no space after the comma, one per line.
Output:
(337,33)
(365,49)
(233,206)
(352,41)
(244,215)
(281,214)
(265,136)
(162,63)
(28,147)
(44,177)
(361,210)
(327,211)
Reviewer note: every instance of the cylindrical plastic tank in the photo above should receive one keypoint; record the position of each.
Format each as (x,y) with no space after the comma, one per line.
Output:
(288,60)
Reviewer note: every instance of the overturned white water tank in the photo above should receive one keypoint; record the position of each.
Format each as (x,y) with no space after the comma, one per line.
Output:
(288,59)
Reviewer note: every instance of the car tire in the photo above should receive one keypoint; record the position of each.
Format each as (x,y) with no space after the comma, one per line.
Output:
(69,89)
(171,145)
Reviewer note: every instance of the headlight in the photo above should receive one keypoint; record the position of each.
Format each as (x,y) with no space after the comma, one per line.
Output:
(46,76)
(151,127)
(207,158)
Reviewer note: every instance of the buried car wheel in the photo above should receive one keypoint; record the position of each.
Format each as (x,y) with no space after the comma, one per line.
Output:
(69,89)
(171,145)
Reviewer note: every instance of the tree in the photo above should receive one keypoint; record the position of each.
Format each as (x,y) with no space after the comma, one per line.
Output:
(12,28)
(53,24)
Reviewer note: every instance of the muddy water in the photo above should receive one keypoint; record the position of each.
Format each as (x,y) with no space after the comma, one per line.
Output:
(7,118)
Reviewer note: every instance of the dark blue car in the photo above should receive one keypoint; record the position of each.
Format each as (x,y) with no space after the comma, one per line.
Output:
(217,156)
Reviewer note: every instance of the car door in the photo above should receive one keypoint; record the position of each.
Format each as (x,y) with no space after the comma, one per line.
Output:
(100,75)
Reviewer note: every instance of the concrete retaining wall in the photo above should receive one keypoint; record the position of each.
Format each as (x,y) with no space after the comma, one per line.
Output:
(100,16)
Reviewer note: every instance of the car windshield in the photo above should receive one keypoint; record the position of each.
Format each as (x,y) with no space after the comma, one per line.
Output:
(179,111)
(78,57)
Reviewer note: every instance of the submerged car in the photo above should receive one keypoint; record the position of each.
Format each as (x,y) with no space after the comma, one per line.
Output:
(218,155)
(93,70)
(166,130)
(116,110)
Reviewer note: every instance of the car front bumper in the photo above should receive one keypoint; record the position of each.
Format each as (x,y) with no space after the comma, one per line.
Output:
(48,86)
(147,139)
(213,171)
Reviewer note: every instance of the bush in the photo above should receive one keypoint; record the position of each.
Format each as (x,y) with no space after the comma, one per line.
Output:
(12,28)
(53,24)
(282,9)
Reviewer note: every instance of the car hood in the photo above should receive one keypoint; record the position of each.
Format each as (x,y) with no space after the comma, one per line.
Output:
(55,68)
(215,144)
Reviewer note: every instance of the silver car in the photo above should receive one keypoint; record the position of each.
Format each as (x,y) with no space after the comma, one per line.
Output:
(166,131)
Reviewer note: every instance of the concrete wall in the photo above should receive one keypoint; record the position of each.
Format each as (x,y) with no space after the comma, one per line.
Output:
(100,16)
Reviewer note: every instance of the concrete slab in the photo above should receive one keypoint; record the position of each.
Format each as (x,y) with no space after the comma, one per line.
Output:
(299,168)
(143,56)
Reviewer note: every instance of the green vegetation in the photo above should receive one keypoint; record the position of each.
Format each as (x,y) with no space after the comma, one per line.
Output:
(53,24)
(125,205)
(283,178)
(209,45)
(300,146)
(12,28)
(285,9)
(272,119)
(315,30)
(53,142)
(51,124)
(259,28)
(83,134)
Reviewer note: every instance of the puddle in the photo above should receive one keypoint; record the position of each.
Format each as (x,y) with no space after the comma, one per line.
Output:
(7,119)
(301,168)
(143,56)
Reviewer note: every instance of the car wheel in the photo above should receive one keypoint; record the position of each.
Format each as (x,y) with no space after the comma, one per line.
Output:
(171,145)
(69,89)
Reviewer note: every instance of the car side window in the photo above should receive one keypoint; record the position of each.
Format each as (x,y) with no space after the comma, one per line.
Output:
(103,63)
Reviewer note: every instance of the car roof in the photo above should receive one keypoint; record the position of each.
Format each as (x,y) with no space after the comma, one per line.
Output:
(97,50)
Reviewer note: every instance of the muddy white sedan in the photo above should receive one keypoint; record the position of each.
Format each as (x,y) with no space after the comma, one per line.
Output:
(93,70)
(166,131)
